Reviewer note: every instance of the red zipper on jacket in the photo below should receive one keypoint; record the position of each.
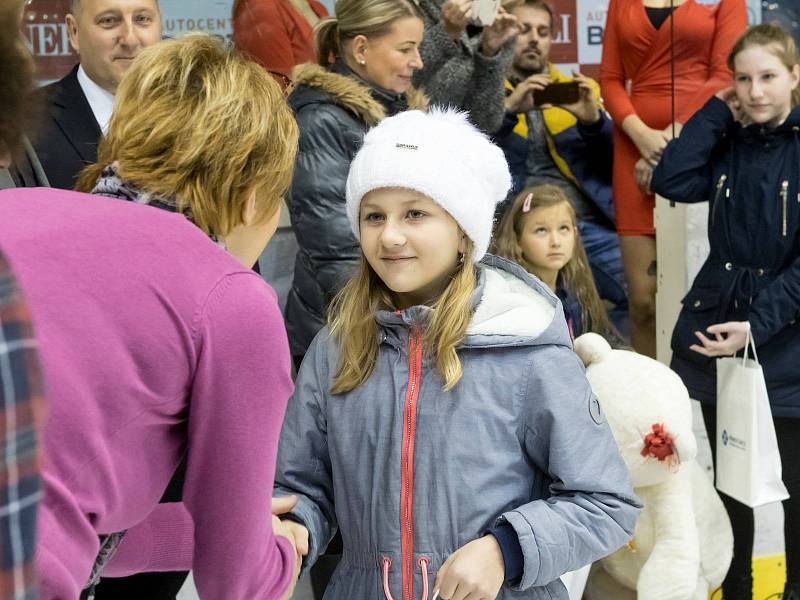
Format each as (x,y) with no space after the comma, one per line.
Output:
(407,462)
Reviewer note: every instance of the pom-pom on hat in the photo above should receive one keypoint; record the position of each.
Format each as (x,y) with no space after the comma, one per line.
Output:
(439,154)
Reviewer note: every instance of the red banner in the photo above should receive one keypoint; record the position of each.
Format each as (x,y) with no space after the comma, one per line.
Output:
(44,27)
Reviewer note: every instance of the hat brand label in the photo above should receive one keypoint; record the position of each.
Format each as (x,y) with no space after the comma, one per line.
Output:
(406,146)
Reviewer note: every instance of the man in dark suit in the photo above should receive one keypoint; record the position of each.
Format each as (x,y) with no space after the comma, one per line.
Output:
(107,35)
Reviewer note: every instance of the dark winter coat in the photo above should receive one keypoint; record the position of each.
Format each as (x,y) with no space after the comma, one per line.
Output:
(334,110)
(751,176)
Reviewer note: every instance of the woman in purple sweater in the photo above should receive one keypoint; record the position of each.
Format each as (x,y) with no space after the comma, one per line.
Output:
(156,343)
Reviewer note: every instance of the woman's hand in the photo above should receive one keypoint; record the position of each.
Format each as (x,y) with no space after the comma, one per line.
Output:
(729,338)
(728,96)
(456,15)
(650,142)
(297,534)
(473,572)
(667,131)
(494,36)
(644,174)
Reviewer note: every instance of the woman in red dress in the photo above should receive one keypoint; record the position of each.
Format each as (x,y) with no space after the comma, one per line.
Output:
(277,33)
(635,77)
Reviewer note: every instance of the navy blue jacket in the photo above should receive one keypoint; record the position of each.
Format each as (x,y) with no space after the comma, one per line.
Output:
(751,176)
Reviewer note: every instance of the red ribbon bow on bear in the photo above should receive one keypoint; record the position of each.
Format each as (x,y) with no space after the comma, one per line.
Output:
(658,444)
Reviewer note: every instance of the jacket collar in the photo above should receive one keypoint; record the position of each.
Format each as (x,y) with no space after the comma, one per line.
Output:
(510,307)
(791,126)
(371,105)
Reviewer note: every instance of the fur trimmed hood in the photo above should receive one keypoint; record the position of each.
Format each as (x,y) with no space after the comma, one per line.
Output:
(350,93)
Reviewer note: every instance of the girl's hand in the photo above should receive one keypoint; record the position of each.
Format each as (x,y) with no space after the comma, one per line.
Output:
(473,572)
(455,17)
(729,337)
(644,174)
(283,504)
(728,96)
(505,27)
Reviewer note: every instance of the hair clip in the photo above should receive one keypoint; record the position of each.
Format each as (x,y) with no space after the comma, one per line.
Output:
(526,206)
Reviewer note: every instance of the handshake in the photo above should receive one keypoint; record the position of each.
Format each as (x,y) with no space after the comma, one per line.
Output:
(476,570)
(296,533)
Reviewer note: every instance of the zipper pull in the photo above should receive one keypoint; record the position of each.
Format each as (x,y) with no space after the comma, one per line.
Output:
(784,201)
(727,192)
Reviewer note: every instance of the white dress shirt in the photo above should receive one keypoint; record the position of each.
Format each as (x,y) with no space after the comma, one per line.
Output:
(101,101)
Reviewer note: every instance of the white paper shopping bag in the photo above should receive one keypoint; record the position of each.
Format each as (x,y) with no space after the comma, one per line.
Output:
(748,461)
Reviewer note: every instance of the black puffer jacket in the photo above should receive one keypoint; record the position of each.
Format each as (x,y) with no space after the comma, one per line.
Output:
(334,109)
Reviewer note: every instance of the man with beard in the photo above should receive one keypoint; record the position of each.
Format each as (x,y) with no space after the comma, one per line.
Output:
(568,145)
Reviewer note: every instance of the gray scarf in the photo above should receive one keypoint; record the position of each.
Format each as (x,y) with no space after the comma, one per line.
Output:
(112,185)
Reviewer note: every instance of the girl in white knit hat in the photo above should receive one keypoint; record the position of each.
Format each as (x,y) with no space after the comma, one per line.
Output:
(441,420)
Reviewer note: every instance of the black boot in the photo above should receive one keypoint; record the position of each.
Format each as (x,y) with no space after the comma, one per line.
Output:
(738,587)
(791,591)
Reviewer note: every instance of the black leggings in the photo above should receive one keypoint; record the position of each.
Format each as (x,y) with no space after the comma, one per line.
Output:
(788,433)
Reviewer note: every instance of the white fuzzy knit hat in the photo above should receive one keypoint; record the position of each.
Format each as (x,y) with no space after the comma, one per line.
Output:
(439,154)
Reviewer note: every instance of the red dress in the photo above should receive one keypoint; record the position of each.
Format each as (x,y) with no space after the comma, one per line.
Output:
(275,34)
(635,78)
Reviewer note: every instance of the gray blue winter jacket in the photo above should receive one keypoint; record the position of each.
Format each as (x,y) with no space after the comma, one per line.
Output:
(410,473)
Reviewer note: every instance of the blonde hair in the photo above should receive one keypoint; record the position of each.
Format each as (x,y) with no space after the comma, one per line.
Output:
(196,120)
(370,18)
(576,276)
(351,319)
(775,40)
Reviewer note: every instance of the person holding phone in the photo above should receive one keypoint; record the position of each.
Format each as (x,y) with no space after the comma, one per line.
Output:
(466,57)
(642,49)
(555,131)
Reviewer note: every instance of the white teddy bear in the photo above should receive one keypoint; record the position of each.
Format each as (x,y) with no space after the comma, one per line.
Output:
(683,541)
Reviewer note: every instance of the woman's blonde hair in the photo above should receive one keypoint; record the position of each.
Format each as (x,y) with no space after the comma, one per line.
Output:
(775,40)
(370,18)
(194,119)
(576,276)
(351,319)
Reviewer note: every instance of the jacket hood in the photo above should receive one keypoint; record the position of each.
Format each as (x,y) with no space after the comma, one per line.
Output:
(315,84)
(511,307)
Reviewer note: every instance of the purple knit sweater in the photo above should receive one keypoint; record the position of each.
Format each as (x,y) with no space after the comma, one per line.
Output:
(153,342)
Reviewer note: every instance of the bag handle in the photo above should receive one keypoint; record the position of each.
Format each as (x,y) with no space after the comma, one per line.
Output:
(748,344)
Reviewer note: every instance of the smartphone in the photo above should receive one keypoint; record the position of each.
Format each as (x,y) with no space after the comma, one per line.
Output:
(484,11)
(562,92)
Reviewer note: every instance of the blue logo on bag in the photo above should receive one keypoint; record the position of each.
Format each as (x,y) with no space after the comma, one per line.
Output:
(725,437)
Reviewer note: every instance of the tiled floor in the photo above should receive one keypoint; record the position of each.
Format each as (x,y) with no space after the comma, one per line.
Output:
(769,522)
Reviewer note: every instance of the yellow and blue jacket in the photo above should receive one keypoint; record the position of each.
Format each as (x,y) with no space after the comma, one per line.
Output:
(583,153)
